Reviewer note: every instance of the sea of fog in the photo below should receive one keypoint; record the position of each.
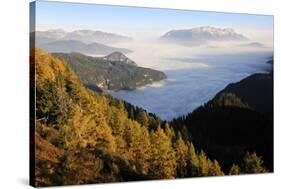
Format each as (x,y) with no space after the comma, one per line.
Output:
(193,77)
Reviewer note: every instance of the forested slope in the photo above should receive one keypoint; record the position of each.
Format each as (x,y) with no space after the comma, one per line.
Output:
(86,137)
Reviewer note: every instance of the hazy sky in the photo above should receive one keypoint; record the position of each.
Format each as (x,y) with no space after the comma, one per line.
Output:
(134,21)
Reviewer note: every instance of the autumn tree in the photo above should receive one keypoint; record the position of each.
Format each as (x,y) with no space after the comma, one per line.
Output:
(252,164)
(138,145)
(142,118)
(181,150)
(193,161)
(234,170)
(162,160)
(215,169)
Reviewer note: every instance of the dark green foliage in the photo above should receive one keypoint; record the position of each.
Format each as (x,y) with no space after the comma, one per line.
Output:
(256,90)
(109,75)
(141,116)
(225,128)
(227,99)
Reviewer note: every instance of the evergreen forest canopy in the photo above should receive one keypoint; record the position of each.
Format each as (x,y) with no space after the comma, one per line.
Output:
(86,137)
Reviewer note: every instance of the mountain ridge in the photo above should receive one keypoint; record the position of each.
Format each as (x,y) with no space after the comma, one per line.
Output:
(85,36)
(202,34)
(67,46)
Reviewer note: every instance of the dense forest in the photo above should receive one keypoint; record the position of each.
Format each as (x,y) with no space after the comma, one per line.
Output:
(226,128)
(82,136)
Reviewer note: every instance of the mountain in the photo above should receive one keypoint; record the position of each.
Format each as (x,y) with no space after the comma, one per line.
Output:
(238,119)
(83,137)
(85,36)
(201,35)
(48,36)
(112,72)
(88,36)
(67,46)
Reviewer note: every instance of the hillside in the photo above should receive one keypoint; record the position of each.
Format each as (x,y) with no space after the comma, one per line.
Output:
(256,90)
(112,72)
(68,46)
(83,137)
(238,119)
(226,128)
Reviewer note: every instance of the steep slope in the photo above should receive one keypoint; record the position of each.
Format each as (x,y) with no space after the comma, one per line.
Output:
(200,35)
(67,46)
(256,90)
(110,72)
(83,137)
(76,130)
(226,128)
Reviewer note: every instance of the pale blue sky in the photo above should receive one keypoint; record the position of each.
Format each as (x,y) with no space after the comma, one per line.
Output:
(133,20)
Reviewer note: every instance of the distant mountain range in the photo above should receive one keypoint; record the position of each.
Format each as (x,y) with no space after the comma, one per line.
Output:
(199,35)
(85,36)
(111,72)
(67,46)
(83,41)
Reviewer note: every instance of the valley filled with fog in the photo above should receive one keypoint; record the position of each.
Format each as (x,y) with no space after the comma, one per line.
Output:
(198,63)
(194,73)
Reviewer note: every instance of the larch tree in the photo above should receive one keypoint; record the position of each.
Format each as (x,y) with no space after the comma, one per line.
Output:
(252,164)
(181,150)
(234,170)
(163,160)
